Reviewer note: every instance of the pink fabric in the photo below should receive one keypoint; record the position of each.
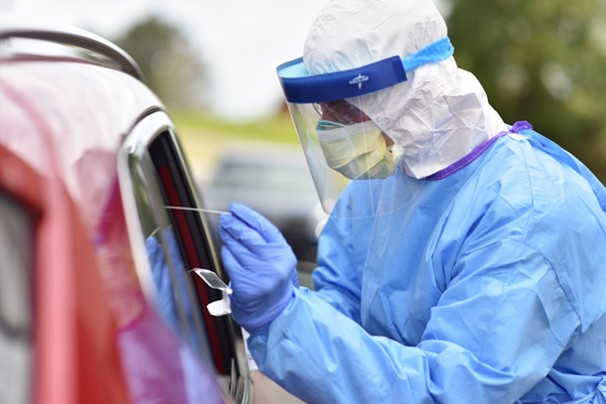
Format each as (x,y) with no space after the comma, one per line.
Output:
(160,368)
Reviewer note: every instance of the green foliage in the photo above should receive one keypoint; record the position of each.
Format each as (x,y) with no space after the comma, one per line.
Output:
(278,129)
(170,64)
(205,137)
(543,61)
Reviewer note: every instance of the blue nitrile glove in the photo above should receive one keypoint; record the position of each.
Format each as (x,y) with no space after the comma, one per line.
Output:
(261,266)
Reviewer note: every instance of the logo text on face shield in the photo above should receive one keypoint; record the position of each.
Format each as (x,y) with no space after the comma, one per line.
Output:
(359,79)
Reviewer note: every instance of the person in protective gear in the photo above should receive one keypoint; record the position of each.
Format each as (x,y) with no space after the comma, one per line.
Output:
(470,268)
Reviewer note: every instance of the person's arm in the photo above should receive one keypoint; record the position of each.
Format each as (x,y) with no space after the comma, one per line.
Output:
(342,253)
(336,277)
(497,330)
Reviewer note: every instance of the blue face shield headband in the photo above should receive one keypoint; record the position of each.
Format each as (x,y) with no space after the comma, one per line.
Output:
(300,87)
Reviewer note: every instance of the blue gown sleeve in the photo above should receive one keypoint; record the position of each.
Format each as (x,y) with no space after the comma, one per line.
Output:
(340,288)
(336,277)
(508,307)
(482,344)
(165,302)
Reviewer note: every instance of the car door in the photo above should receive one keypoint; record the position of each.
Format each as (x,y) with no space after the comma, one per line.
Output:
(171,237)
(16,311)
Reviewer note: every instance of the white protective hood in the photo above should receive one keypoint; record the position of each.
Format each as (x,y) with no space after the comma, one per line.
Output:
(439,114)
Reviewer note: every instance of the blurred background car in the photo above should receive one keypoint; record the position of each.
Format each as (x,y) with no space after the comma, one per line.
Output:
(275,181)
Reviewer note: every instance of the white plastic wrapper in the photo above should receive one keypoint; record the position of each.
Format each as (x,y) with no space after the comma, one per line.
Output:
(218,307)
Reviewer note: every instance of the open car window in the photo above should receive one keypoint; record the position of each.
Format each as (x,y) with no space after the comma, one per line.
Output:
(175,297)
(170,242)
(16,311)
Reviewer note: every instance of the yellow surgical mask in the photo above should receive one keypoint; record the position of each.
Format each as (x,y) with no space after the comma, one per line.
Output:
(358,151)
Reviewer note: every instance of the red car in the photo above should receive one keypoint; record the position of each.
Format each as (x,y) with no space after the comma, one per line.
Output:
(97,301)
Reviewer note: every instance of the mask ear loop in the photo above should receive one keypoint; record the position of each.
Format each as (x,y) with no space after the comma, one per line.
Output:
(218,307)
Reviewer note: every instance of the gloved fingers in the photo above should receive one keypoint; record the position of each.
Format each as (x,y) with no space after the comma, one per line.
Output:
(233,227)
(235,269)
(257,221)
(242,279)
(229,262)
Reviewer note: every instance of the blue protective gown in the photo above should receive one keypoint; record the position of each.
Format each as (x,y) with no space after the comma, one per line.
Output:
(487,286)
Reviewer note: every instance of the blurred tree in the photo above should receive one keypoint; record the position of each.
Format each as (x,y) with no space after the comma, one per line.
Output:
(171,66)
(543,61)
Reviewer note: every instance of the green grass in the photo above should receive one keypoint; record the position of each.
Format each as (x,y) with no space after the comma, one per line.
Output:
(204,137)
(278,129)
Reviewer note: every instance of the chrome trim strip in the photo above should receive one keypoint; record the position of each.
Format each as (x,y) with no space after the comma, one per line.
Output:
(136,143)
(73,36)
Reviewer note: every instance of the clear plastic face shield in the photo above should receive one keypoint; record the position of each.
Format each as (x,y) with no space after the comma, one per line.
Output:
(341,143)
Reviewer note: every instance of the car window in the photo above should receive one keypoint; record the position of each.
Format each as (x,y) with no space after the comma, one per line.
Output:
(175,241)
(176,298)
(16,340)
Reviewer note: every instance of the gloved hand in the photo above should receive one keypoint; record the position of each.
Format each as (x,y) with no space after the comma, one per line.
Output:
(261,265)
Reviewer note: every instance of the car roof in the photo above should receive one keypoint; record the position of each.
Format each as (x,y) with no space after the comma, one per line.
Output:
(15,26)
(68,116)
(62,122)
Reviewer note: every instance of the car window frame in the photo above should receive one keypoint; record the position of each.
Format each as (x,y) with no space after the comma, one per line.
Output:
(137,145)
